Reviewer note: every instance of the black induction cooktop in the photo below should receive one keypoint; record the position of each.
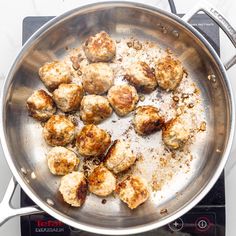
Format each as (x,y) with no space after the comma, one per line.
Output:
(207,218)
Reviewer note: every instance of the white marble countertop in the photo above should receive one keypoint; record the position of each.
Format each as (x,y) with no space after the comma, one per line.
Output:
(13,12)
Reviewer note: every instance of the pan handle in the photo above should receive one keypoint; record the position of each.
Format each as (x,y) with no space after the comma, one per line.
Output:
(219,19)
(6,209)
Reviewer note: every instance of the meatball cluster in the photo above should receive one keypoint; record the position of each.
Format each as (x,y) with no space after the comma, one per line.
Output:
(95,99)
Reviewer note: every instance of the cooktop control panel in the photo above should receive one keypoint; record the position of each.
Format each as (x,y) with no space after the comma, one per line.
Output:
(208,221)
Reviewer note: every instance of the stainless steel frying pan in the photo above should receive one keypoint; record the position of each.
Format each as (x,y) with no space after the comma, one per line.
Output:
(20,136)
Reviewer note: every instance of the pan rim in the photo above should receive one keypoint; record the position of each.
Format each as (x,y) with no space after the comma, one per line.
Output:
(96,229)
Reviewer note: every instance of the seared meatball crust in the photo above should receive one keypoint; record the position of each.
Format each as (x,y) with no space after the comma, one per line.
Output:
(73,188)
(133,191)
(40,105)
(169,73)
(58,131)
(55,73)
(62,161)
(123,98)
(119,157)
(175,134)
(101,181)
(147,120)
(141,77)
(94,109)
(97,78)
(68,97)
(92,141)
(100,48)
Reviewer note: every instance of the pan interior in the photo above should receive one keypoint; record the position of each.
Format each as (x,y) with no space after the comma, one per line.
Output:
(24,137)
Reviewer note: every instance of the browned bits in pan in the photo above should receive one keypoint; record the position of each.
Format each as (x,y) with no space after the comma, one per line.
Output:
(137,45)
(42,124)
(156,186)
(75,62)
(129,44)
(185,95)
(190,105)
(79,72)
(104,201)
(203,126)
(80,57)
(85,167)
(96,161)
(168,50)
(163,211)
(176,98)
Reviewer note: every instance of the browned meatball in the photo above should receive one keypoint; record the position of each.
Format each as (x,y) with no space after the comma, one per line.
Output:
(100,47)
(55,73)
(119,157)
(175,134)
(62,161)
(94,109)
(40,105)
(68,97)
(123,98)
(133,191)
(73,188)
(141,77)
(58,131)
(101,181)
(169,73)
(92,141)
(147,120)
(97,78)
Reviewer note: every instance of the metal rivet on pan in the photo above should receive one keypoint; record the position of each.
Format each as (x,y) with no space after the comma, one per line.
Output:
(50,202)
(218,150)
(164,30)
(212,78)
(175,33)
(23,170)
(33,176)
